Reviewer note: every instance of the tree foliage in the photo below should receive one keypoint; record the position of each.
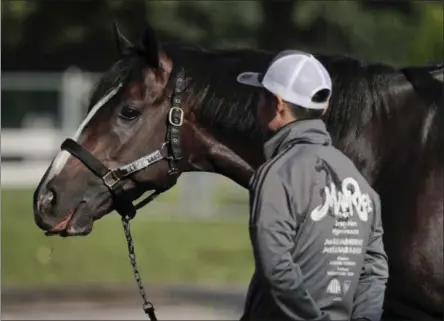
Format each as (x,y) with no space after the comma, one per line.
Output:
(51,35)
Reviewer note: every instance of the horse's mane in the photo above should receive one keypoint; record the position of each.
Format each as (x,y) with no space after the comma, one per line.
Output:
(361,92)
(359,89)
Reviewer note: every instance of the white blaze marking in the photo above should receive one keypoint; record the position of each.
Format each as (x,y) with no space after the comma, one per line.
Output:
(63,156)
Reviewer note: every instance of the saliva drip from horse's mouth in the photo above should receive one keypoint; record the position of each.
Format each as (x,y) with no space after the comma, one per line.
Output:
(64,229)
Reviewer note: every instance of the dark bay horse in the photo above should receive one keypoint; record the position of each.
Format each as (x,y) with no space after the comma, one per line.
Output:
(182,106)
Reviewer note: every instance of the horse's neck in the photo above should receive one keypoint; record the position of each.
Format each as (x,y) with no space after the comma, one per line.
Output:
(392,133)
(206,152)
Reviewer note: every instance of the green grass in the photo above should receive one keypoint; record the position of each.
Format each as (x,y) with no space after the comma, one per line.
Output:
(210,251)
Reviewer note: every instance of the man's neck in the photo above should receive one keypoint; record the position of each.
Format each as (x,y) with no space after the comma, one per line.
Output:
(311,131)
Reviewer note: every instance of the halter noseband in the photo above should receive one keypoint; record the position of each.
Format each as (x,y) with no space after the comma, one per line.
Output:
(113,178)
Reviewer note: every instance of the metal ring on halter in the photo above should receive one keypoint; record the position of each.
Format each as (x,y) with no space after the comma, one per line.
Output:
(163,147)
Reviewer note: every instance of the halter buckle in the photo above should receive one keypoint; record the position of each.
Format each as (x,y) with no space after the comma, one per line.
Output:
(110,179)
(171,119)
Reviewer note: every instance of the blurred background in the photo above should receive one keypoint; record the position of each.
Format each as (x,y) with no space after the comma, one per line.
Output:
(192,244)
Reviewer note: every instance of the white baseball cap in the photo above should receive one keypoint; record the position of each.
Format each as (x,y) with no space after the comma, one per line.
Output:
(294,76)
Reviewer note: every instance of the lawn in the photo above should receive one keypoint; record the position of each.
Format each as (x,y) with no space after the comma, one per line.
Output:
(198,251)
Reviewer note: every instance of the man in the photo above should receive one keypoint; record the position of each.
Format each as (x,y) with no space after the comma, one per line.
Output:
(315,223)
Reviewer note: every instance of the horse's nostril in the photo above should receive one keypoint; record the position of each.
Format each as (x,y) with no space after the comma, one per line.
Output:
(47,200)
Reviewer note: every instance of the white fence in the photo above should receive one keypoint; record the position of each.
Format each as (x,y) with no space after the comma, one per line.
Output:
(36,147)
(36,144)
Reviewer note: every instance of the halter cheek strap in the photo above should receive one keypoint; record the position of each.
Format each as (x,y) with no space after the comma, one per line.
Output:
(175,121)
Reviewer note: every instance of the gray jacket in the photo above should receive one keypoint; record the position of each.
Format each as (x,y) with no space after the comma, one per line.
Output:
(315,227)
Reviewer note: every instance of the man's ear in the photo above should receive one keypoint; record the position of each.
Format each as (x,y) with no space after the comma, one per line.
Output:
(280,104)
(325,109)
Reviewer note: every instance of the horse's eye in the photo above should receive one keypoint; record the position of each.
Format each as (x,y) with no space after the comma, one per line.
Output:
(129,113)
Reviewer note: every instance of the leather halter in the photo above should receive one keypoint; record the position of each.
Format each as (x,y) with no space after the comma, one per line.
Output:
(113,178)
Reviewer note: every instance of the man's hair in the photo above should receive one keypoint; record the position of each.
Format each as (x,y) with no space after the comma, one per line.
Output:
(298,111)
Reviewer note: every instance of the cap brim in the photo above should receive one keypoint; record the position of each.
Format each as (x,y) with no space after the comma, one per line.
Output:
(250,79)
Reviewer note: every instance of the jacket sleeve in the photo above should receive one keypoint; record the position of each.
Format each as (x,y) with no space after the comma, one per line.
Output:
(272,231)
(369,296)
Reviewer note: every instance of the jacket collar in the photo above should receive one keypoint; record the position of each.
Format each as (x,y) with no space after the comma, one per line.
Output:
(311,131)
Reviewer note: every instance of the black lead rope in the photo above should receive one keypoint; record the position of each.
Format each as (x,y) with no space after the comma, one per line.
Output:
(148,307)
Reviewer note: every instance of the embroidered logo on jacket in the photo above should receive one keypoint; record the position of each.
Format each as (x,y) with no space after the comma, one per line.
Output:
(344,202)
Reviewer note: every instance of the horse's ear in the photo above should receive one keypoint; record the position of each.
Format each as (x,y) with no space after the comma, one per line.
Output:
(122,43)
(151,47)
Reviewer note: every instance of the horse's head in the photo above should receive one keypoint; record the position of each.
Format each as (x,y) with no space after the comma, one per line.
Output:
(132,121)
